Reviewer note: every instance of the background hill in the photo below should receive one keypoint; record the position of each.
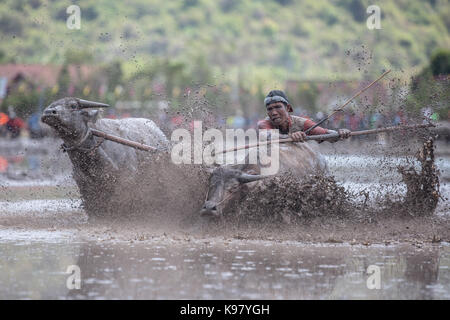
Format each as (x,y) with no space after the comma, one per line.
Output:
(147,55)
(261,38)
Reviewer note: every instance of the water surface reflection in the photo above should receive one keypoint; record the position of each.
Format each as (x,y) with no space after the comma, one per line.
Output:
(223,270)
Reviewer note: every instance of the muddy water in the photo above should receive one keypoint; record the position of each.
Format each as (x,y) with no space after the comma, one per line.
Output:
(378,175)
(34,255)
(33,266)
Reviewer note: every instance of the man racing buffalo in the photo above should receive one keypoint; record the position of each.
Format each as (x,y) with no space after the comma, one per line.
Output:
(301,157)
(278,108)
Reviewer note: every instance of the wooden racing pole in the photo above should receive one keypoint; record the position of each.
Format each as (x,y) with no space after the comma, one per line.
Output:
(324,137)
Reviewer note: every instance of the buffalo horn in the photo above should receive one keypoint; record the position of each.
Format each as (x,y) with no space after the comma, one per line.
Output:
(91,104)
(245,178)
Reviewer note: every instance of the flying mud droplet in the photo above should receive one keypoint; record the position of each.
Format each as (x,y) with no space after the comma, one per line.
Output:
(422,194)
(287,199)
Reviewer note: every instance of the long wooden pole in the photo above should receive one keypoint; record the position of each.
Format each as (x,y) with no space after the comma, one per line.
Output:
(331,136)
(123,141)
(145,147)
(347,102)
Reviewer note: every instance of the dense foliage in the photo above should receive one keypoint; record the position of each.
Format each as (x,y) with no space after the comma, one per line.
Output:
(431,87)
(241,46)
(285,38)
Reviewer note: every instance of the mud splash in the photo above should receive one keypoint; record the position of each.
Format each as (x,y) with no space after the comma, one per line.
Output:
(162,191)
(422,194)
(288,199)
(157,189)
(173,194)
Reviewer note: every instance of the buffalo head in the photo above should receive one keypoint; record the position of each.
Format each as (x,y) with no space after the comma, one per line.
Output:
(222,183)
(69,117)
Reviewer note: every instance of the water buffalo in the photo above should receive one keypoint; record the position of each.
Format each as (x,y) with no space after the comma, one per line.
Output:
(100,165)
(229,184)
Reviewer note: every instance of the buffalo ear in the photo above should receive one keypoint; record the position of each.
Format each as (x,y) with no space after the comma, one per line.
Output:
(90,115)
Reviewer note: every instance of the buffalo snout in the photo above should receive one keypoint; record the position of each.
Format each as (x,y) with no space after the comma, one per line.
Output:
(210,209)
(50,116)
(49,112)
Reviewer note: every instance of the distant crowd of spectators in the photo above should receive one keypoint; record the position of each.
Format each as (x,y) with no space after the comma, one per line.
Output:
(11,126)
(350,120)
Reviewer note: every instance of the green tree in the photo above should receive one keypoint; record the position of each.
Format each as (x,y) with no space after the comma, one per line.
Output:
(78,57)
(114,73)
(427,90)
(307,94)
(11,25)
(64,80)
(440,62)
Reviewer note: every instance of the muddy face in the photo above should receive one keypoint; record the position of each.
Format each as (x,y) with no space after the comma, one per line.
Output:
(223,183)
(278,113)
(69,117)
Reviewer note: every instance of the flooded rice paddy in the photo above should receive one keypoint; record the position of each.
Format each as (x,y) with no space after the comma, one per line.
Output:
(34,257)
(33,266)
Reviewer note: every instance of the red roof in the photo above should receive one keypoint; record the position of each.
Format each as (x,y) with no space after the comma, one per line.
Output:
(46,75)
(36,73)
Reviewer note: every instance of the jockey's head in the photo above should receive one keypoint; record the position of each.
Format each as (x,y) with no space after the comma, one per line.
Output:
(277,107)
